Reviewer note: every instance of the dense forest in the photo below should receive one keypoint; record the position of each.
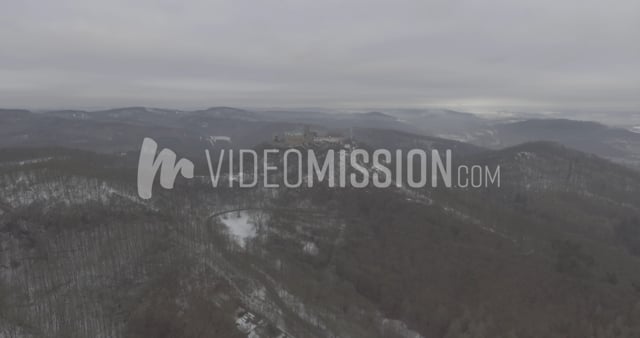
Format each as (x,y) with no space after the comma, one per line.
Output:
(552,253)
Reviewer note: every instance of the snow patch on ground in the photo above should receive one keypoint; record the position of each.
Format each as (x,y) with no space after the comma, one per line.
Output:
(297,306)
(26,162)
(240,226)
(311,248)
(397,328)
(525,155)
(25,188)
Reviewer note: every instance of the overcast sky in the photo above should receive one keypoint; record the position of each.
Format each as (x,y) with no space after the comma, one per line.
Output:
(536,55)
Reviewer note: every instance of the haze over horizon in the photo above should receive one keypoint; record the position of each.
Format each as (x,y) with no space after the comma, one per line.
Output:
(546,56)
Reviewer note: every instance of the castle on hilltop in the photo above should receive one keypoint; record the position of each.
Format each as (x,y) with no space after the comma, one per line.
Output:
(307,137)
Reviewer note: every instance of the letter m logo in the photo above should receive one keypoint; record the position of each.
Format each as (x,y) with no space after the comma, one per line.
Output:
(149,164)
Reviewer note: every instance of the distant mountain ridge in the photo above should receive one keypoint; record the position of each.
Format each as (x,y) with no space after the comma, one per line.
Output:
(617,144)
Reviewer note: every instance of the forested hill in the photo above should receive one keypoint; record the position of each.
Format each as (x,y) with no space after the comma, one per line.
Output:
(552,253)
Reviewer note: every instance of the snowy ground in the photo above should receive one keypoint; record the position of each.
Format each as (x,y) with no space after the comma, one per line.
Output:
(240,226)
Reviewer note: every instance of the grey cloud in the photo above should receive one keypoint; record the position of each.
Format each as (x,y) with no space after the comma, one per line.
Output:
(485,55)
